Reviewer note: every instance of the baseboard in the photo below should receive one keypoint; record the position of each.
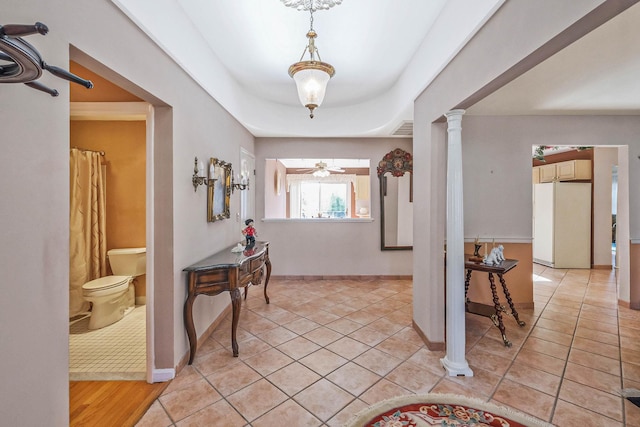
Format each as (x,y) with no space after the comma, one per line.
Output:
(345,277)
(602,267)
(433,346)
(141,300)
(162,375)
(629,305)
(524,305)
(543,262)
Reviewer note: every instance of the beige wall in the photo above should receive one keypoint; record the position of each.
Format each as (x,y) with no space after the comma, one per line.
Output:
(604,158)
(321,248)
(275,205)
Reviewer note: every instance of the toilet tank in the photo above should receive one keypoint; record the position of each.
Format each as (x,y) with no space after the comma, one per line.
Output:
(128,261)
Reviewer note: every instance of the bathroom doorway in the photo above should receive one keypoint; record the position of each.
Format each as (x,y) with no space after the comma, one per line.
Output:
(117,351)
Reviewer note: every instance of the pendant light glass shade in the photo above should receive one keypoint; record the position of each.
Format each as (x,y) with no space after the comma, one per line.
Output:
(311,79)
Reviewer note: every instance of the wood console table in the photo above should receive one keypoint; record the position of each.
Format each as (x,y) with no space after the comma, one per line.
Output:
(225,271)
(495,312)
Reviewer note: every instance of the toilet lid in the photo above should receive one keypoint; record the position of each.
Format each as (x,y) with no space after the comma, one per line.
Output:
(105,283)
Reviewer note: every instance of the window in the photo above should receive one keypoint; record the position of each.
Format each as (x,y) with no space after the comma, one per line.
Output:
(321,200)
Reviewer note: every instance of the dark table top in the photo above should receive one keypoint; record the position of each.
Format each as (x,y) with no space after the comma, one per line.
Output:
(501,268)
(225,258)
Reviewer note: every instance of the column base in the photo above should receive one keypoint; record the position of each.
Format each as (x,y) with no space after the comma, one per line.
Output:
(455,369)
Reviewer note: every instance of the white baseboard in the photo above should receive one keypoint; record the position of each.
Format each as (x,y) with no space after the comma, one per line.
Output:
(141,301)
(163,375)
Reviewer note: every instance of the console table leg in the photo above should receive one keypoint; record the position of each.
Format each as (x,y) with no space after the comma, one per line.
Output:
(191,330)
(496,305)
(508,295)
(466,284)
(267,263)
(236,301)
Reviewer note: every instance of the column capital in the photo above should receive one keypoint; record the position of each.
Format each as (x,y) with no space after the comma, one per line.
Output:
(454,119)
(452,113)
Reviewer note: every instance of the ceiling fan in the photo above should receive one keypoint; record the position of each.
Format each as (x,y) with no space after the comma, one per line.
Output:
(321,169)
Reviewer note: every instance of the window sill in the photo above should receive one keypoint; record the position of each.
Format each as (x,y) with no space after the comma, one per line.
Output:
(317,220)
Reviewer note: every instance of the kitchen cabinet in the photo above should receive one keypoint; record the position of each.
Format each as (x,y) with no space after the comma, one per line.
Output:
(573,170)
(570,170)
(547,173)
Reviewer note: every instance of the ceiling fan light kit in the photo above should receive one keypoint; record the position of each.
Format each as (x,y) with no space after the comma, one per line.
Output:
(321,170)
(312,76)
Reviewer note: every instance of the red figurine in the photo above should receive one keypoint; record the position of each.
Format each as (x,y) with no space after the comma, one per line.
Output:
(249,232)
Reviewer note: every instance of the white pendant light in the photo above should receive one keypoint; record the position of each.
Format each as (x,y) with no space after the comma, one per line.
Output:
(311,76)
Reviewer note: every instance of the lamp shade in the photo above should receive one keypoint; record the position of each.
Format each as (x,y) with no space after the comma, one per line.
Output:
(312,85)
(311,79)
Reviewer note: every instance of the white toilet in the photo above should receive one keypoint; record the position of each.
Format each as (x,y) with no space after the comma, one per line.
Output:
(112,296)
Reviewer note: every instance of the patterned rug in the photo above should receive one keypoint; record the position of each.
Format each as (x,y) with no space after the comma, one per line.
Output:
(441,410)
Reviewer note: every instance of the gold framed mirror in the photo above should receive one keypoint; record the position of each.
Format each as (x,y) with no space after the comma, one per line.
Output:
(395,174)
(218,190)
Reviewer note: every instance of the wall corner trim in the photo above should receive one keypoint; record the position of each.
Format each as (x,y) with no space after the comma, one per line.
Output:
(163,375)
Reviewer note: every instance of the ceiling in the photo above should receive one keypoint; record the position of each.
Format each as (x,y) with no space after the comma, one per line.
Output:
(597,74)
(385,53)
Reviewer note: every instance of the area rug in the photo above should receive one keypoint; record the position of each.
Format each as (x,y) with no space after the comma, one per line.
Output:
(434,409)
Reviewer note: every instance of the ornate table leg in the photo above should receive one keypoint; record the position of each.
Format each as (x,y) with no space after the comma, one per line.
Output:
(496,304)
(267,263)
(236,301)
(508,295)
(191,330)
(466,284)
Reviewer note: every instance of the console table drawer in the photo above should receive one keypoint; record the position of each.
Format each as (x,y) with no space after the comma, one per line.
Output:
(257,264)
(214,276)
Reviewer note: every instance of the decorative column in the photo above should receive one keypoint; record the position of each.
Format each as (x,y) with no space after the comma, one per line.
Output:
(454,361)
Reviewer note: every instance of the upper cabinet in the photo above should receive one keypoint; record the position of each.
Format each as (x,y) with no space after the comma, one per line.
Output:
(573,169)
(570,170)
(547,172)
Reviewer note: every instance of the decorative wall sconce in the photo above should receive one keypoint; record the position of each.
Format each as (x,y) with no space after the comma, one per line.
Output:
(199,178)
(242,185)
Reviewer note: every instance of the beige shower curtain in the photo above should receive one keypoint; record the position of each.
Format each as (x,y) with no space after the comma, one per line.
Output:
(87,225)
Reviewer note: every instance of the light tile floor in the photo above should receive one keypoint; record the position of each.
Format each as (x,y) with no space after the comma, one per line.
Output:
(324,350)
(115,352)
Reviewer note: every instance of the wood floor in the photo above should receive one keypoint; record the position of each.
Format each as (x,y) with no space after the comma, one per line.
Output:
(110,403)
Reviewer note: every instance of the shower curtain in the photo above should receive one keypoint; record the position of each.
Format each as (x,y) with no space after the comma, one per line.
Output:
(87,225)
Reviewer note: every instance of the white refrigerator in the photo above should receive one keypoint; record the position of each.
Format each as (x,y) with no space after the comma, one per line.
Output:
(562,224)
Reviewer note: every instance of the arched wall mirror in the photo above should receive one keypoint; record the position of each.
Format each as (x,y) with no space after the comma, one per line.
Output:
(395,174)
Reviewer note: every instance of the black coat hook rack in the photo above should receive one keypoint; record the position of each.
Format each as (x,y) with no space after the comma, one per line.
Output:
(23,62)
